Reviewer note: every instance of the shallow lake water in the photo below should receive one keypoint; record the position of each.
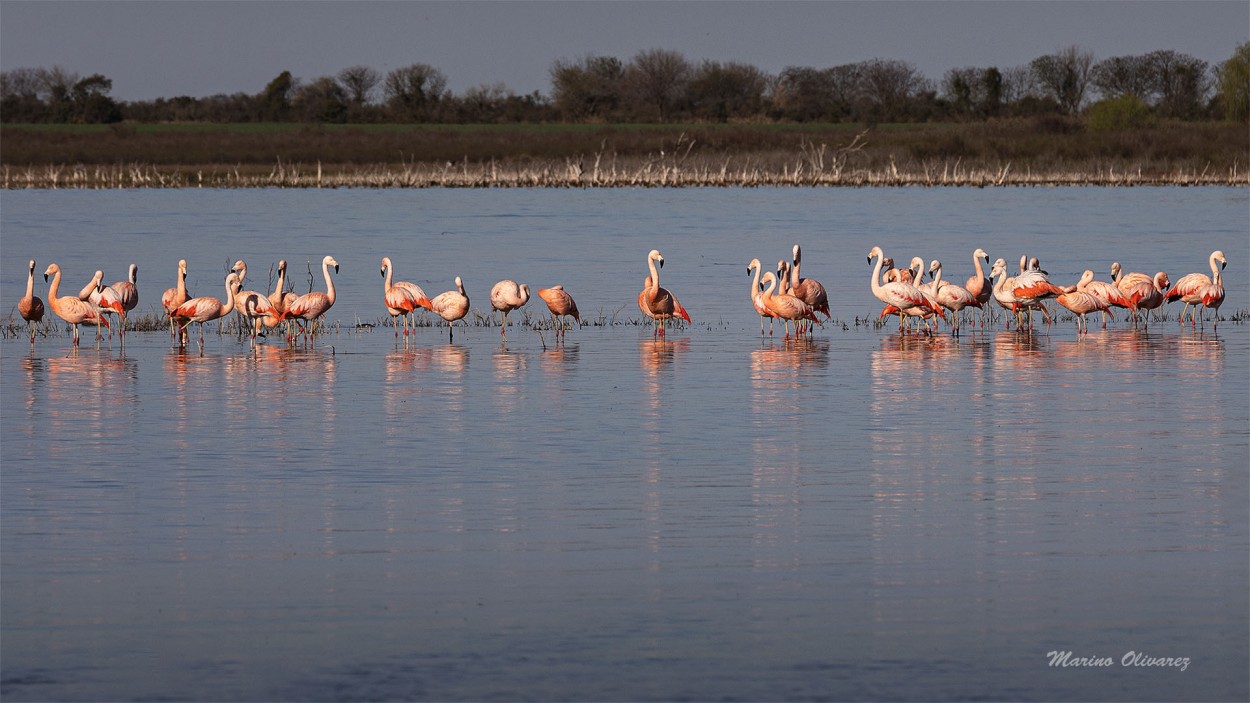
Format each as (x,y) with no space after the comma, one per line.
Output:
(711,515)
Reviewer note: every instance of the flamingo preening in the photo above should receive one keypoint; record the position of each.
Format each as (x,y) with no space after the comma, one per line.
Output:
(506,296)
(561,305)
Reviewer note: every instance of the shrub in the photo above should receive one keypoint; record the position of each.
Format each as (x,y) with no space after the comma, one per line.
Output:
(1116,114)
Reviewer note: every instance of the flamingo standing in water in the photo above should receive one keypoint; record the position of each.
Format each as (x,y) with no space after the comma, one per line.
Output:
(980,285)
(205,309)
(1033,286)
(1107,293)
(757,300)
(127,297)
(1081,304)
(898,294)
(279,300)
(1198,289)
(252,306)
(311,306)
(451,305)
(784,305)
(809,290)
(656,302)
(30,307)
(1146,296)
(951,296)
(506,296)
(172,298)
(561,304)
(1002,289)
(399,298)
(70,308)
(103,298)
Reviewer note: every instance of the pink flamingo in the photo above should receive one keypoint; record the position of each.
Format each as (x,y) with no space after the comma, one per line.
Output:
(980,285)
(252,306)
(311,306)
(506,296)
(757,300)
(1081,304)
(951,296)
(1147,296)
(1002,289)
(1107,293)
(104,298)
(205,309)
(561,304)
(279,300)
(1124,281)
(658,303)
(70,308)
(172,298)
(809,290)
(399,298)
(1198,289)
(127,294)
(897,293)
(784,305)
(1033,286)
(451,305)
(30,307)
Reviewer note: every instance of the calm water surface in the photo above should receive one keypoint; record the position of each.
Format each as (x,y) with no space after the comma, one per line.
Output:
(709,516)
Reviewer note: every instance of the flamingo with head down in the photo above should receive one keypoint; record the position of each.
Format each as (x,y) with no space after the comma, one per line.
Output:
(506,296)
(561,304)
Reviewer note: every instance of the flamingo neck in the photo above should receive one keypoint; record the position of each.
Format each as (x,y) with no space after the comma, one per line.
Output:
(30,284)
(325,269)
(654,291)
(55,285)
(229,304)
(876,274)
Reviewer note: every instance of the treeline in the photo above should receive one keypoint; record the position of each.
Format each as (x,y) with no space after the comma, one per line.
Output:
(661,85)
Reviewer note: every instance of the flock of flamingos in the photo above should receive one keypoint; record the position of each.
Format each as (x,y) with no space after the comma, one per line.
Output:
(783,295)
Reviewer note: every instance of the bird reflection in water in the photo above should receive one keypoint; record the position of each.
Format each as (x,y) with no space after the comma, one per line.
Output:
(509,390)
(656,358)
(89,395)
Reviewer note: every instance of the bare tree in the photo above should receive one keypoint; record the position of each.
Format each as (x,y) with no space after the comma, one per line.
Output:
(657,79)
(322,100)
(1122,75)
(412,92)
(889,85)
(724,91)
(1064,76)
(588,88)
(1181,82)
(360,82)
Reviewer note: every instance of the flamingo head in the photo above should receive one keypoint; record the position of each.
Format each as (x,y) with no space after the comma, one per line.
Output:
(798,254)
(875,251)
(1217,256)
(754,265)
(980,254)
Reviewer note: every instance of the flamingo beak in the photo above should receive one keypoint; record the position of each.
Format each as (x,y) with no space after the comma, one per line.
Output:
(383,272)
(336,268)
(45,278)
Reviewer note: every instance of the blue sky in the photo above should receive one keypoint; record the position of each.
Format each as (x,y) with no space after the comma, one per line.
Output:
(162,48)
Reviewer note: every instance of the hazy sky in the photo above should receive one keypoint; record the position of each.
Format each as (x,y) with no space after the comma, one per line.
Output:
(163,48)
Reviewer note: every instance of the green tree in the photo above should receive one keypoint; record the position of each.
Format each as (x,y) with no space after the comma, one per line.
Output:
(322,100)
(1234,81)
(92,104)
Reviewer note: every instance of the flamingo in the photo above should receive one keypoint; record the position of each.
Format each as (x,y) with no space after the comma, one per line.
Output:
(1124,281)
(506,296)
(757,300)
(312,305)
(128,294)
(1107,293)
(1146,296)
(70,308)
(560,304)
(784,305)
(951,296)
(205,309)
(897,293)
(1081,304)
(174,297)
(1198,289)
(656,302)
(451,305)
(1033,286)
(280,299)
(30,307)
(252,306)
(1002,289)
(103,298)
(980,285)
(809,290)
(400,300)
